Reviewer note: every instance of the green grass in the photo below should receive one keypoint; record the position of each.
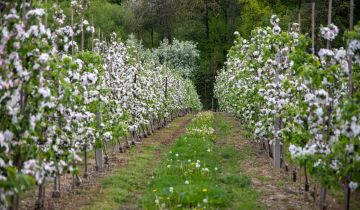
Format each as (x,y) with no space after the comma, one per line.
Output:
(225,186)
(190,176)
(203,188)
(244,196)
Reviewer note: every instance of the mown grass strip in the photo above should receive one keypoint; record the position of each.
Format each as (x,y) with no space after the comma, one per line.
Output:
(188,178)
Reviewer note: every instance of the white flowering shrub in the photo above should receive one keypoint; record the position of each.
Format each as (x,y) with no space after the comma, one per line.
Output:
(282,93)
(180,56)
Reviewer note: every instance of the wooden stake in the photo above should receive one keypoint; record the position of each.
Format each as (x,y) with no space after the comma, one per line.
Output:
(98,159)
(82,26)
(276,154)
(98,151)
(323,204)
(92,34)
(85,164)
(323,189)
(277,125)
(46,16)
(82,35)
(347,196)
(329,21)
(351,24)
(330,12)
(72,35)
(313,27)
(24,10)
(307,186)
(299,16)
(351,92)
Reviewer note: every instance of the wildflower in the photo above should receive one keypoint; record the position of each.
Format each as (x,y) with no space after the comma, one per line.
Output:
(168,166)
(157,201)
(205,200)
(187,182)
(204,190)
(171,189)
(154,190)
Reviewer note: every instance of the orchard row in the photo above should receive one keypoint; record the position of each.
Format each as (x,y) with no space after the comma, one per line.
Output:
(57,102)
(292,98)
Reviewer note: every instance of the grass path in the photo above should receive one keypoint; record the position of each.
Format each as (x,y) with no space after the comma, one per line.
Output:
(270,188)
(124,188)
(232,157)
(201,173)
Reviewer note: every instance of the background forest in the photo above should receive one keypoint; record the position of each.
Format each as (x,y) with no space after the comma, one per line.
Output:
(209,23)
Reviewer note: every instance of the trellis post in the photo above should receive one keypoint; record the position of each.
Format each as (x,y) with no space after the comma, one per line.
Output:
(276,143)
(98,151)
(329,21)
(46,16)
(351,92)
(324,189)
(313,27)
(72,28)
(299,15)
(92,34)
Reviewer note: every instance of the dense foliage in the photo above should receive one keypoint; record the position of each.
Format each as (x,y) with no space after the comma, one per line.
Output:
(283,93)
